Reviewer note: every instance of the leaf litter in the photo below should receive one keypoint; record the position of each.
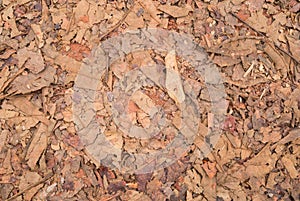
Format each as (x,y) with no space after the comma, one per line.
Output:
(256,47)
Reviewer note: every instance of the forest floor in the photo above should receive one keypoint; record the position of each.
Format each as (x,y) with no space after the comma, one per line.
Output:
(54,146)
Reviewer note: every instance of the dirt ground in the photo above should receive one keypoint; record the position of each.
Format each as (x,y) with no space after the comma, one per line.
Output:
(255,46)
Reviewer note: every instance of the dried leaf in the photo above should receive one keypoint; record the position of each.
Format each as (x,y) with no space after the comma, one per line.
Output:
(225,61)
(144,102)
(37,145)
(33,60)
(28,83)
(294,46)
(258,21)
(173,79)
(289,165)
(39,35)
(29,179)
(4,75)
(8,16)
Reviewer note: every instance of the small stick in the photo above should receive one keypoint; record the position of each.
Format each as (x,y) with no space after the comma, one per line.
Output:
(263,35)
(12,79)
(263,93)
(48,176)
(249,70)
(117,24)
(111,197)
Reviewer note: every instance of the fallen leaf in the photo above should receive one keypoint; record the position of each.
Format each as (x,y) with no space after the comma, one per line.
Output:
(294,46)
(78,51)
(173,79)
(144,102)
(289,165)
(225,61)
(37,145)
(258,21)
(33,60)
(7,53)
(134,21)
(150,8)
(28,83)
(8,17)
(28,179)
(4,75)
(39,35)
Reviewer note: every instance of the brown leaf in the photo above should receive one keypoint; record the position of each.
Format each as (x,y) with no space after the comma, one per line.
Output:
(7,54)
(291,136)
(4,74)
(28,83)
(134,21)
(30,110)
(294,45)
(116,186)
(258,21)
(290,166)
(33,60)
(225,61)
(145,103)
(39,36)
(8,17)
(28,179)
(37,145)
(142,180)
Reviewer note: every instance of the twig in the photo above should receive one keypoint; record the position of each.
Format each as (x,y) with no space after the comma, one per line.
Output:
(117,24)
(12,79)
(263,35)
(246,84)
(8,82)
(111,197)
(230,40)
(48,176)
(3,96)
